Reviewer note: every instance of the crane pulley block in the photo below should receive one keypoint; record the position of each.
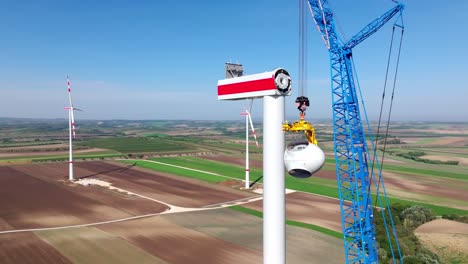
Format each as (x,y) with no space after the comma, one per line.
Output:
(302,103)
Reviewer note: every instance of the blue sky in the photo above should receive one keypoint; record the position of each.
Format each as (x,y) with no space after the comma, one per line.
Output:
(162,59)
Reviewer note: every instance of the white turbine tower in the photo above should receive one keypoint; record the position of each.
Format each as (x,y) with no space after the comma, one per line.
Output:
(72,131)
(248,119)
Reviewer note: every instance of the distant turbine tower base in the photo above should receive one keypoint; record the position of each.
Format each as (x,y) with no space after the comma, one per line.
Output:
(248,120)
(71,129)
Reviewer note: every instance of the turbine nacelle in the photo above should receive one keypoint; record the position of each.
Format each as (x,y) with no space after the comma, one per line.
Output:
(276,82)
(302,159)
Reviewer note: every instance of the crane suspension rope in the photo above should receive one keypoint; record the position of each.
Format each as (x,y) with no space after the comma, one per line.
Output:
(302,49)
(391,104)
(379,166)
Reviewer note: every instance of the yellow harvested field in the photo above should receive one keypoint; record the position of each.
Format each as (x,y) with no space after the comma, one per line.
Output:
(448,239)
(462,161)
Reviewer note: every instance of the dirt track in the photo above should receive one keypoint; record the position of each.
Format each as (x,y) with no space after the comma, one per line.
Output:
(34,196)
(37,195)
(47,200)
(178,191)
(27,248)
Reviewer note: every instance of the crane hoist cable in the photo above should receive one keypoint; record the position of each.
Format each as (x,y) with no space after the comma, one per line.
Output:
(302,102)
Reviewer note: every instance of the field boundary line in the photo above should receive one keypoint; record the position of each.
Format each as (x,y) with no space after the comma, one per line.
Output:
(202,171)
(172,210)
(177,210)
(185,168)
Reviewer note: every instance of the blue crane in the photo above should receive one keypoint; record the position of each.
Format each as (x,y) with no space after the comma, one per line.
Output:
(351,150)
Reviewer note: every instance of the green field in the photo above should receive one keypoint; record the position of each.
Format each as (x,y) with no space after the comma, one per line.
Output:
(137,144)
(96,155)
(29,143)
(142,138)
(176,171)
(443,171)
(290,222)
(418,168)
(211,166)
(311,185)
(62,157)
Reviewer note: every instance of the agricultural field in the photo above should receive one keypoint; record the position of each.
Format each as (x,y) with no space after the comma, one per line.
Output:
(449,239)
(160,185)
(90,223)
(136,144)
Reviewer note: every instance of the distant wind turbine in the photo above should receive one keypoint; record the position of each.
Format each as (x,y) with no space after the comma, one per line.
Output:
(248,120)
(72,130)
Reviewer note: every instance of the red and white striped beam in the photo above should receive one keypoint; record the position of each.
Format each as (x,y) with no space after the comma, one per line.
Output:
(276,82)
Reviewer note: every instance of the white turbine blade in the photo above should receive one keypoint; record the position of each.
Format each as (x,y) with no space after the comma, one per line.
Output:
(73,123)
(71,108)
(251,103)
(69,92)
(253,129)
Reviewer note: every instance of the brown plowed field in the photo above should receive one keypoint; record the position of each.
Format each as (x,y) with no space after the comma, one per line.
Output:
(179,245)
(432,186)
(29,198)
(233,160)
(417,185)
(26,248)
(309,208)
(37,195)
(46,153)
(174,190)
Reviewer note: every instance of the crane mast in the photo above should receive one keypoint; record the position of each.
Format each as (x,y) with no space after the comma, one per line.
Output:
(351,151)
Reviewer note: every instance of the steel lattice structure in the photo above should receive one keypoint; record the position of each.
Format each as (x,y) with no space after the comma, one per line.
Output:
(351,151)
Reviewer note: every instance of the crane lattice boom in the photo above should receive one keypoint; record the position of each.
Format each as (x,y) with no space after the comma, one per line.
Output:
(351,151)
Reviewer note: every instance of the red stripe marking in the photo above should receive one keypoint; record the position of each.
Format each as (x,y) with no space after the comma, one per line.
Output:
(247,170)
(245,87)
(70,162)
(68,89)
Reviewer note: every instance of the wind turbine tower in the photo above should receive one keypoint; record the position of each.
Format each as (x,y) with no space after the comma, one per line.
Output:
(248,120)
(71,131)
(272,86)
